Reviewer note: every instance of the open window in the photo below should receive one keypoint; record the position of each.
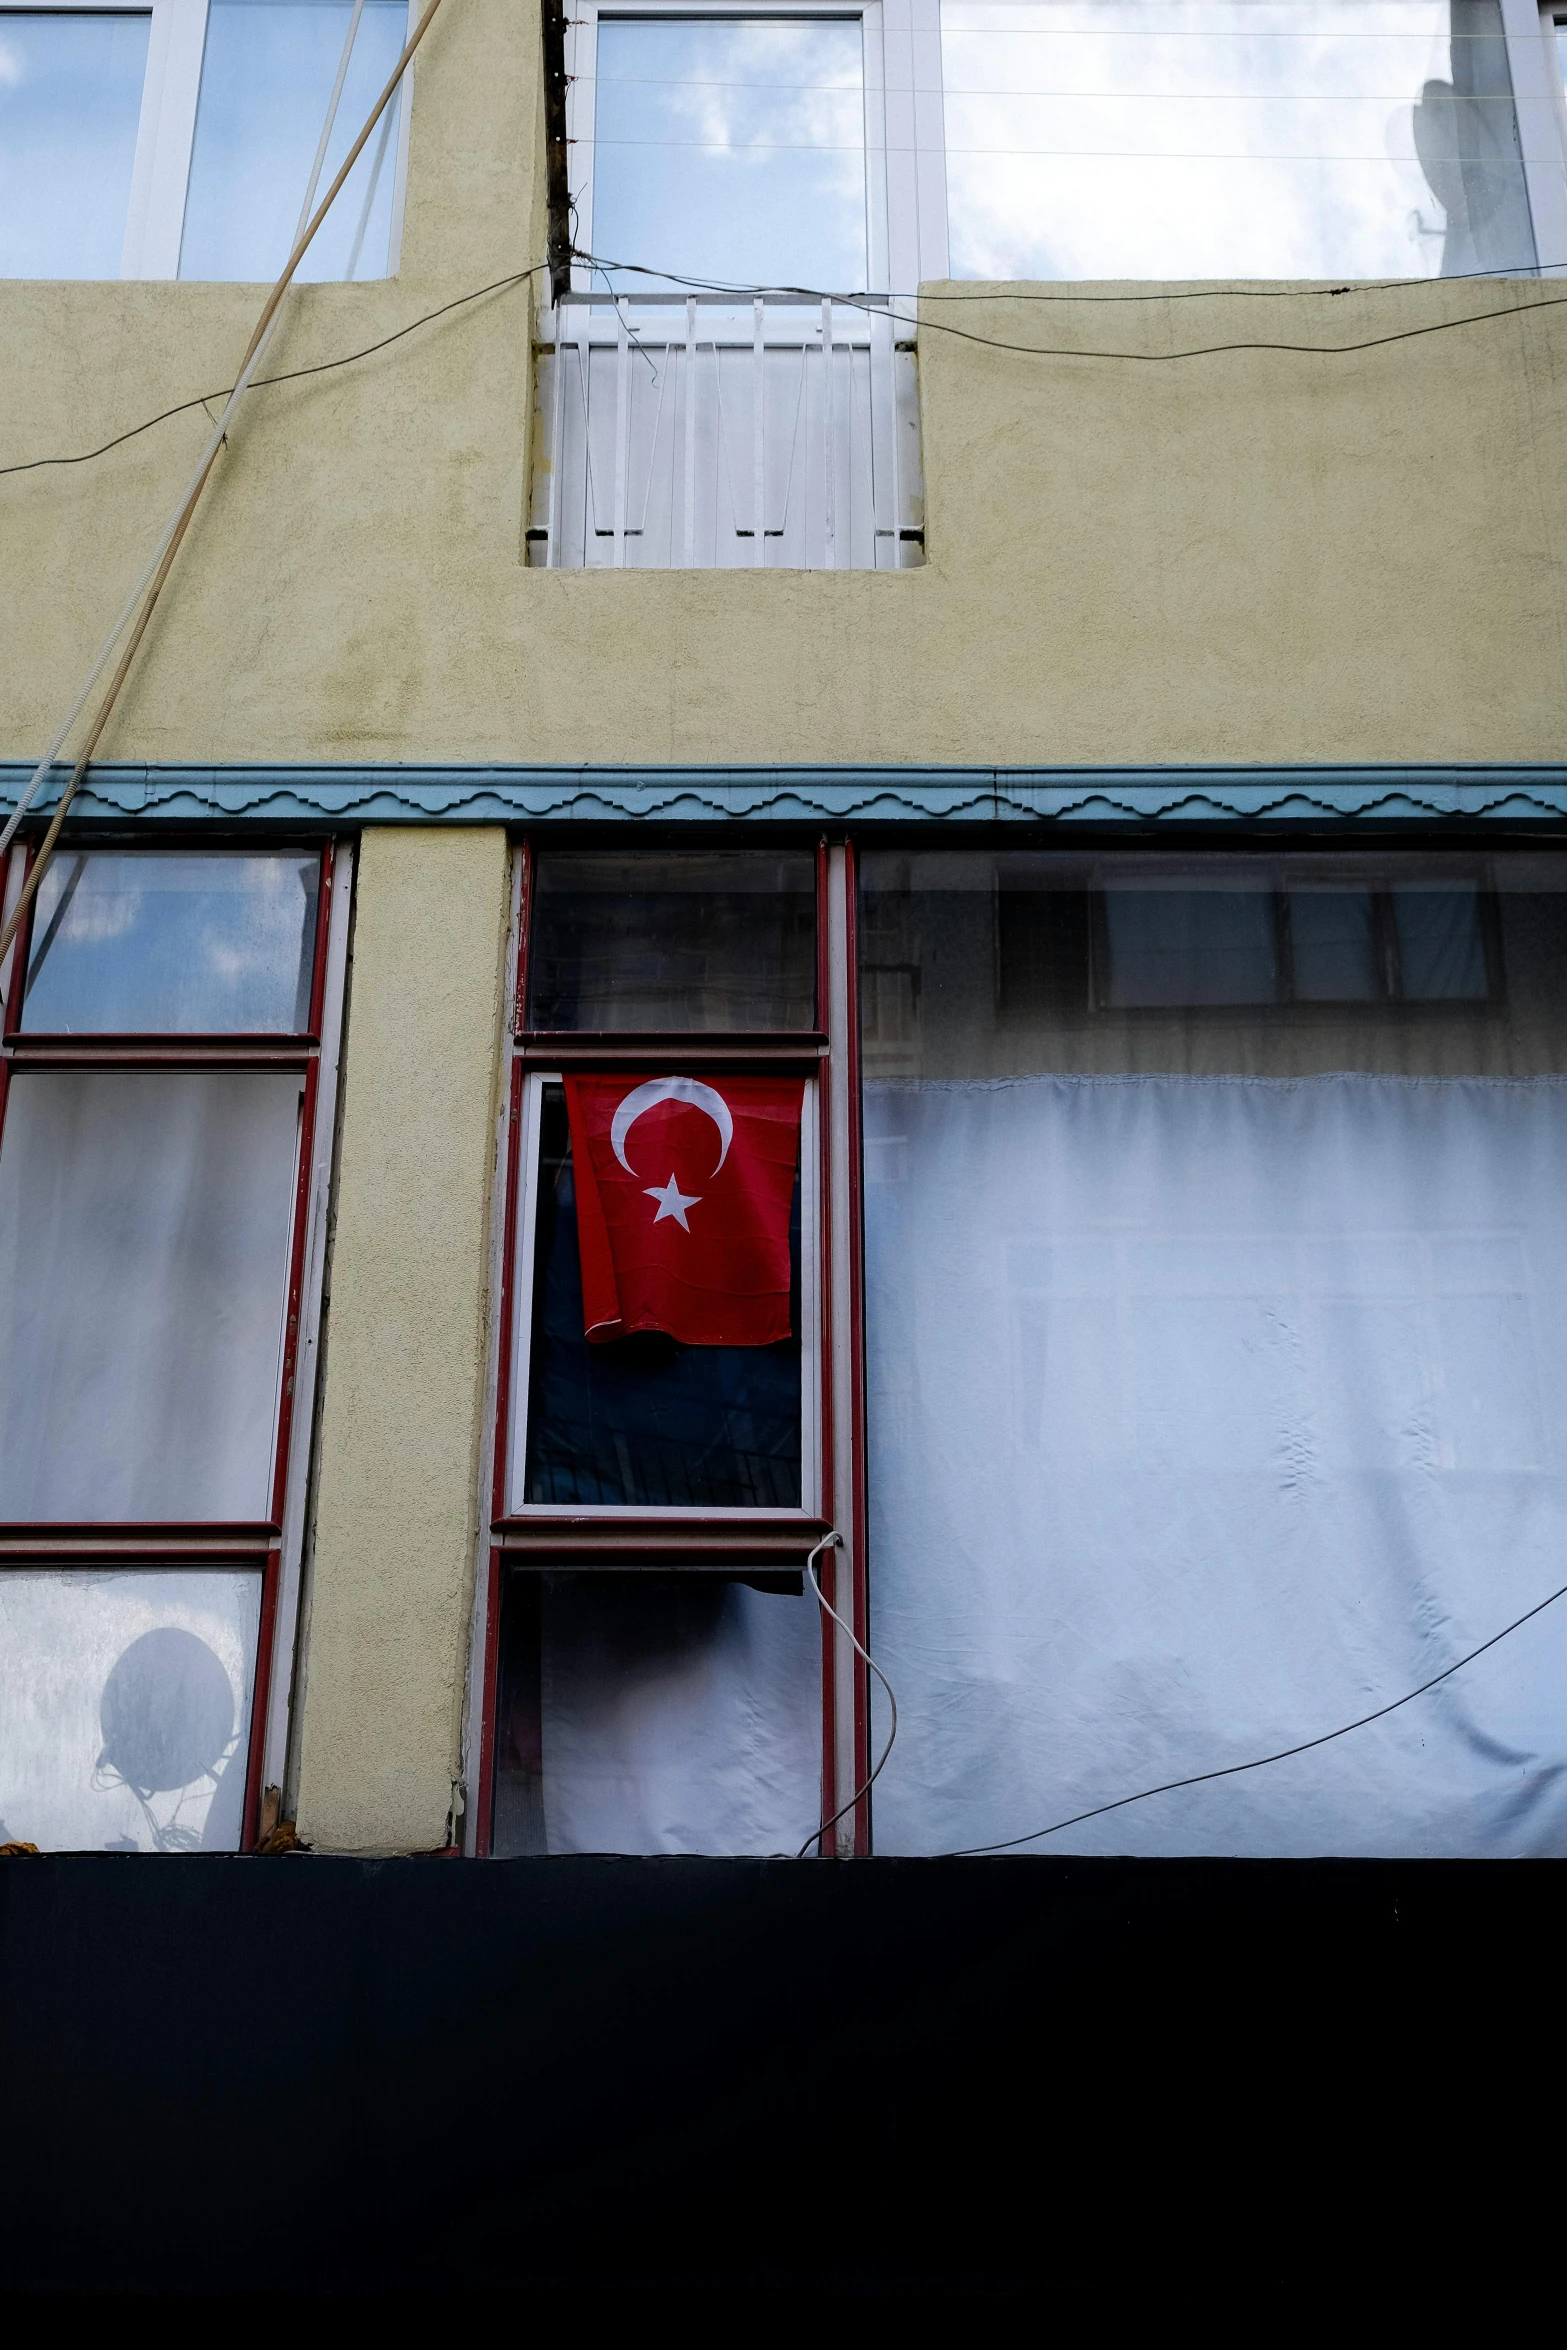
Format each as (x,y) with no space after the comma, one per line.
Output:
(166,1091)
(654,1668)
(179,139)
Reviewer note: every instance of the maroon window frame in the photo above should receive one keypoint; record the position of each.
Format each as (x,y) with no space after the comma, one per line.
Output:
(758,1539)
(96,1543)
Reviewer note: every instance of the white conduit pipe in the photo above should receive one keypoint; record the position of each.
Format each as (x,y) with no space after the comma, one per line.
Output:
(150,585)
(835,1542)
(332,103)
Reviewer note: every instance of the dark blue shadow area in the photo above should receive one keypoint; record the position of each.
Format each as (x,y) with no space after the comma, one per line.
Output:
(676,2076)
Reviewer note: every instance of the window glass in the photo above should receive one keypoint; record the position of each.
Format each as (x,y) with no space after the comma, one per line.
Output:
(1183,944)
(1441,949)
(974,963)
(644,1419)
(644,1713)
(167,945)
(144,1234)
(1214,1384)
(70,106)
(1333,944)
(1231,138)
(684,943)
(125,1708)
(266,80)
(732,150)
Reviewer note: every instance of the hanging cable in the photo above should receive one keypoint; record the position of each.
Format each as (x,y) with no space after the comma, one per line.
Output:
(966,334)
(292,375)
(150,585)
(835,1542)
(925,298)
(1234,1770)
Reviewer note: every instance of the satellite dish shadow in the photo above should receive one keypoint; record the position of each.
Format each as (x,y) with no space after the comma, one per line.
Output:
(167,1713)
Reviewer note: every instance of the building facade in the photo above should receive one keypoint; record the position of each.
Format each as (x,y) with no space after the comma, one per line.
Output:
(1082,733)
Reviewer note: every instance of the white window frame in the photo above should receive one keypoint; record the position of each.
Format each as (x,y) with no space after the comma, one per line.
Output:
(905,157)
(905,131)
(1541,100)
(166,130)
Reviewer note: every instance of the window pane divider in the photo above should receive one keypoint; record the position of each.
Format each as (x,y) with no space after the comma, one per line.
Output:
(139,1541)
(552,1053)
(162,1052)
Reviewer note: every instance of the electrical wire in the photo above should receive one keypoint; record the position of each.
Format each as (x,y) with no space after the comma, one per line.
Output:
(835,1542)
(150,586)
(942,326)
(925,299)
(1261,1762)
(260,383)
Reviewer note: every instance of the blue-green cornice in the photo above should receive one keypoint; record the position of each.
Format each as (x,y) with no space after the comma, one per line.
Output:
(793,795)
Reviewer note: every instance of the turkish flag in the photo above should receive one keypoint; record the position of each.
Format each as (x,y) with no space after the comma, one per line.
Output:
(683,1195)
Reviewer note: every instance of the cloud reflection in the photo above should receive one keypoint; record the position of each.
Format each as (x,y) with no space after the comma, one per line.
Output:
(1269,138)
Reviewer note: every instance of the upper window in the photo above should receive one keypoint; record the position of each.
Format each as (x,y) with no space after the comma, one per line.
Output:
(1024,139)
(732,149)
(182,139)
(725,384)
(1232,138)
(685,942)
(70,102)
(172,945)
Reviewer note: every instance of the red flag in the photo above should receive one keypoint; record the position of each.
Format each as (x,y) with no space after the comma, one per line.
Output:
(683,1193)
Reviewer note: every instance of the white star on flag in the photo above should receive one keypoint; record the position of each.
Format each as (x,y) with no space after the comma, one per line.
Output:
(672,1201)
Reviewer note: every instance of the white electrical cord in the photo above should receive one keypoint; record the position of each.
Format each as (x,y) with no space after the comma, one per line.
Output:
(332,104)
(835,1542)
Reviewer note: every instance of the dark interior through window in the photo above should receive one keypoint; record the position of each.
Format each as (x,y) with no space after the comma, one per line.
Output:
(645,1420)
(686,942)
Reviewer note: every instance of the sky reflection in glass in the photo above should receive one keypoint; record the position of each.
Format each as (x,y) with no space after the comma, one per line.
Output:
(156,945)
(70,103)
(1231,138)
(732,151)
(266,81)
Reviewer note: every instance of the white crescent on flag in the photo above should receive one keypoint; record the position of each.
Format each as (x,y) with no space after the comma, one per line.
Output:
(690,1090)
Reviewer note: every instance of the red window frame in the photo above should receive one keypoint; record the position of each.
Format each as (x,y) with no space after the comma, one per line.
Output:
(190,1543)
(827,1054)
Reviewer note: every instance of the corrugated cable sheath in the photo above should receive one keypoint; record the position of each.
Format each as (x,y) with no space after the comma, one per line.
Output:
(192,498)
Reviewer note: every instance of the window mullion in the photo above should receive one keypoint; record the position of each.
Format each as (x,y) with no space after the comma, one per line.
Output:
(156,218)
(280,1733)
(845,1579)
(1534,76)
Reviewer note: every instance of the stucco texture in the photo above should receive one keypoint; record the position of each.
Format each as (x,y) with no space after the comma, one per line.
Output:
(396,1524)
(1255,556)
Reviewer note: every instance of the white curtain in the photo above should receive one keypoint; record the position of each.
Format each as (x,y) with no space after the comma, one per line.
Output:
(679,1716)
(144,1231)
(1206,1415)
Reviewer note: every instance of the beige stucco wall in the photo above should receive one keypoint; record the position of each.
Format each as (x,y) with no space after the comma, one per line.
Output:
(1252,557)
(391,1586)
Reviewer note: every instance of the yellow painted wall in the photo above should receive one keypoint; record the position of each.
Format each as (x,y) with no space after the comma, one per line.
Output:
(1253,557)
(403,1402)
